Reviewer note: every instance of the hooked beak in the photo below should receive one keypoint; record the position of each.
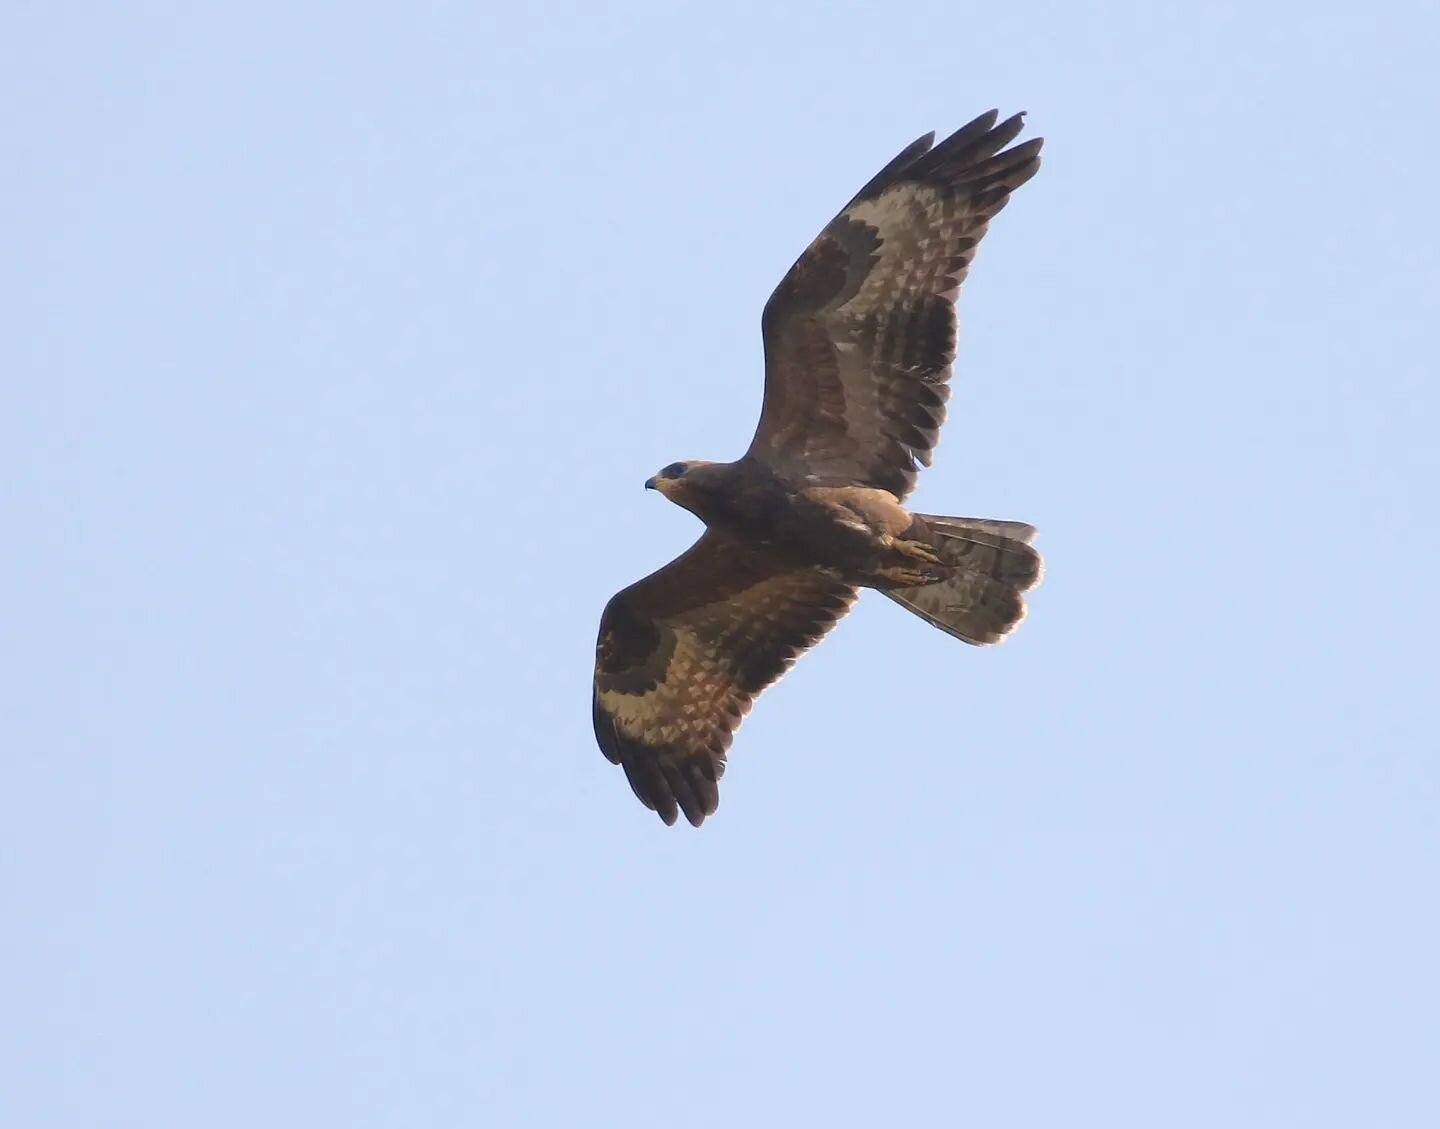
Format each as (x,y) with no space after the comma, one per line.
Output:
(650,484)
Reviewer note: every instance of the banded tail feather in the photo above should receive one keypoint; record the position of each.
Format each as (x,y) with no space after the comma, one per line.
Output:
(991,566)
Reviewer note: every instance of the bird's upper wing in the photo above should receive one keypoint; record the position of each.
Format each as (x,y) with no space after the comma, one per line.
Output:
(860,334)
(684,652)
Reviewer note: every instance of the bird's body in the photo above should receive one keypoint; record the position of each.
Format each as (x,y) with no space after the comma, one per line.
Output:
(859,339)
(850,531)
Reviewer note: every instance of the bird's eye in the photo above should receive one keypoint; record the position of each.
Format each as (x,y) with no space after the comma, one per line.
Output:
(674,470)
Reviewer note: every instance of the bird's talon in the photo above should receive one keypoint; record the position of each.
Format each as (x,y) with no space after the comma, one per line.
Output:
(918,550)
(906,577)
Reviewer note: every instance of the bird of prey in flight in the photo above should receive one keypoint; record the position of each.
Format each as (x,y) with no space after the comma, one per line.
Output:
(859,338)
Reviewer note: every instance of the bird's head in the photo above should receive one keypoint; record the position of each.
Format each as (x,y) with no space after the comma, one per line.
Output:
(684,483)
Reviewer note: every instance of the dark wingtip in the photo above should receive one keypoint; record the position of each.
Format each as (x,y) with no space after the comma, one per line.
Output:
(974,142)
(694,787)
(669,791)
(898,164)
(1019,120)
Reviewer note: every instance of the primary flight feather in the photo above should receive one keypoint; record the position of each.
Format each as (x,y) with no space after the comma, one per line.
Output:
(859,339)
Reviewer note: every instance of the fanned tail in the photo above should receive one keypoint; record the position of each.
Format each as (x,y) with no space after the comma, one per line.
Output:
(992,566)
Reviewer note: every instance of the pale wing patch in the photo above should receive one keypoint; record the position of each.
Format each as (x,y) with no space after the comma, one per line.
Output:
(662,713)
(915,247)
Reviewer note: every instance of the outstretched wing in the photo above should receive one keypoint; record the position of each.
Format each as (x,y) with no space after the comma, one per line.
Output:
(684,652)
(860,334)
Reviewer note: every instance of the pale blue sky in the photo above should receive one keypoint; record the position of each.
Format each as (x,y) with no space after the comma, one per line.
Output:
(339,341)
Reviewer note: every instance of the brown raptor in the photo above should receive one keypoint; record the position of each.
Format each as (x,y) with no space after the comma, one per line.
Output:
(859,339)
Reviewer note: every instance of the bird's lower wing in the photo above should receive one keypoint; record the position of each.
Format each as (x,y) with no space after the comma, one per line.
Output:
(682,655)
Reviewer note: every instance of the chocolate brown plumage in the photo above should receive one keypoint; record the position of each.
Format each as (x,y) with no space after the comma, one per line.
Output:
(859,340)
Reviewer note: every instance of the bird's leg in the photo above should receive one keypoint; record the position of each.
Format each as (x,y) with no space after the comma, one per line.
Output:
(901,577)
(916,550)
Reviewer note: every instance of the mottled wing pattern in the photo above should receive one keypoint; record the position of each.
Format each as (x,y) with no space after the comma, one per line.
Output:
(860,334)
(682,655)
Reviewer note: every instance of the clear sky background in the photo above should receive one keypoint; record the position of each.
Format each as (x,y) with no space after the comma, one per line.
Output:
(338,342)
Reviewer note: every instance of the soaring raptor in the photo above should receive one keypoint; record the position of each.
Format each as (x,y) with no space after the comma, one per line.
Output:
(859,338)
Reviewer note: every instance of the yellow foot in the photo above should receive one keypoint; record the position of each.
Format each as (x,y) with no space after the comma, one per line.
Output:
(917,550)
(906,577)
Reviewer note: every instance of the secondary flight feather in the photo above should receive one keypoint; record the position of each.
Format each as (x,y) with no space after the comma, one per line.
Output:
(859,339)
